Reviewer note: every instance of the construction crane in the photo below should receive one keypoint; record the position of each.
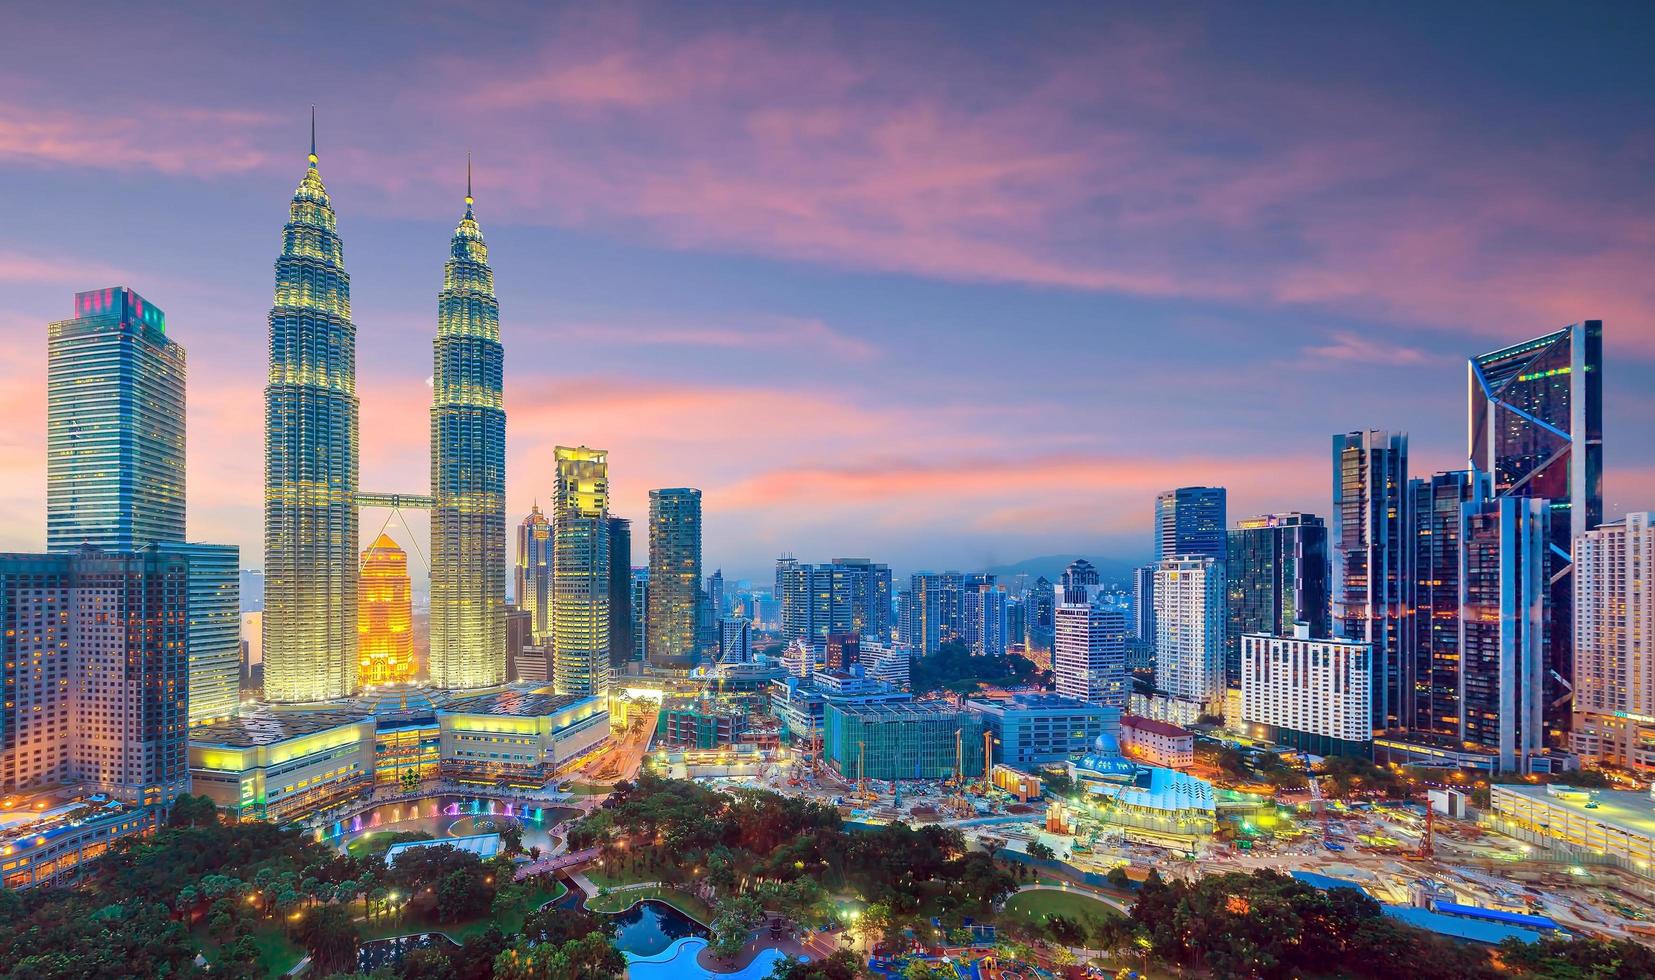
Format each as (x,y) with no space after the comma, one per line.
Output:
(1426,847)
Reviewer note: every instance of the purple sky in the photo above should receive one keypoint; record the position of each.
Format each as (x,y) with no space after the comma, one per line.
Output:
(936,284)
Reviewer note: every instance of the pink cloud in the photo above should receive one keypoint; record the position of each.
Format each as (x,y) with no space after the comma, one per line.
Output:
(171,140)
(768,333)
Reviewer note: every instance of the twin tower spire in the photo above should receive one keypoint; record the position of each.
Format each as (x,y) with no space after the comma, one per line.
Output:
(312,457)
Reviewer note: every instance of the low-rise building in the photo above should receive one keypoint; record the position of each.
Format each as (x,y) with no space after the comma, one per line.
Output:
(799,703)
(1036,728)
(1613,825)
(518,738)
(51,845)
(1158,743)
(914,740)
(270,765)
(700,723)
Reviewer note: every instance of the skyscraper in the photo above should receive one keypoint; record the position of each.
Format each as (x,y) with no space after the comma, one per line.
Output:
(1369,549)
(114,425)
(1536,425)
(640,612)
(1277,575)
(1614,608)
(1189,623)
(311,460)
(1089,642)
(935,613)
(468,470)
(1505,604)
(674,576)
(533,584)
(1038,624)
(385,633)
(621,631)
(1431,660)
(213,605)
(1190,521)
(846,595)
(988,620)
(580,572)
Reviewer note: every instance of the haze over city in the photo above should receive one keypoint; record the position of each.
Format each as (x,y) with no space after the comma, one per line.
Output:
(948,287)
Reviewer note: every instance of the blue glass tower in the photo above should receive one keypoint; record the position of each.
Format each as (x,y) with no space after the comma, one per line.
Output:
(1189,521)
(468,470)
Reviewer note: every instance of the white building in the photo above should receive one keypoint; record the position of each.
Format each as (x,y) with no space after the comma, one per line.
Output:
(1190,606)
(1089,643)
(1614,707)
(1158,743)
(890,664)
(1311,694)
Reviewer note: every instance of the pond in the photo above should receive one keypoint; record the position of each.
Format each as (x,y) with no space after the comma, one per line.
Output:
(678,962)
(649,927)
(450,816)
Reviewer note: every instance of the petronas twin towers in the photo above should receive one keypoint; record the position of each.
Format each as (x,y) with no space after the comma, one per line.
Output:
(311,481)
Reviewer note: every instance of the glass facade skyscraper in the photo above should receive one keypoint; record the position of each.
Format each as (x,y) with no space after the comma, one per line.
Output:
(1277,575)
(1369,549)
(674,576)
(468,470)
(311,467)
(533,585)
(214,610)
(1190,521)
(580,572)
(1431,659)
(621,633)
(114,425)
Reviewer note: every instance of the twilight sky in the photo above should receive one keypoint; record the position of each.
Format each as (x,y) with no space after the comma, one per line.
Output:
(939,284)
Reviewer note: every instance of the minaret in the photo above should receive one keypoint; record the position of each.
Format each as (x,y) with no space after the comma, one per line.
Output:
(468,470)
(310,459)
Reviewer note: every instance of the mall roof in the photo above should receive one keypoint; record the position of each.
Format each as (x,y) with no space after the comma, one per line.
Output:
(510,701)
(1631,811)
(265,726)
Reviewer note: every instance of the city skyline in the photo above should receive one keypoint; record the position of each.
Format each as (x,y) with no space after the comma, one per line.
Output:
(829,304)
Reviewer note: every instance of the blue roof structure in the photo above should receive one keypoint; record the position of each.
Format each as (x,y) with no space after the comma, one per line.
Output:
(1326,882)
(1459,927)
(1496,915)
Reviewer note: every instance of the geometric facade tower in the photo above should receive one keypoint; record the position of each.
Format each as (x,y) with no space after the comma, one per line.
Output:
(1536,425)
(385,617)
(311,460)
(468,471)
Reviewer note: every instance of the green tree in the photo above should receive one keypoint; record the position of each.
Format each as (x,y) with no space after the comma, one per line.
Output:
(426,964)
(330,936)
(589,958)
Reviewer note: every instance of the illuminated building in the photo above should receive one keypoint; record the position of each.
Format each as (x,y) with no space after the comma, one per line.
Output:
(1431,686)
(1190,521)
(1536,425)
(935,611)
(1614,608)
(1369,544)
(311,460)
(674,576)
(1505,603)
(533,585)
(114,426)
(735,641)
(580,572)
(517,738)
(1189,627)
(267,766)
(988,621)
(1307,692)
(468,471)
(39,846)
(1034,728)
(1158,743)
(1276,572)
(640,611)
(385,615)
(846,595)
(214,610)
(1089,640)
(907,740)
(1147,803)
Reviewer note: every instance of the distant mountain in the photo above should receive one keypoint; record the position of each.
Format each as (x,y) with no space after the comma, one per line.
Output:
(1117,570)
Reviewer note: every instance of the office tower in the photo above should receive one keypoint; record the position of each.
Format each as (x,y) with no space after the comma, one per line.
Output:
(385,615)
(1089,641)
(640,612)
(715,594)
(1536,425)
(934,616)
(468,470)
(1038,622)
(1307,692)
(114,426)
(1276,572)
(213,605)
(844,595)
(1189,624)
(712,610)
(1505,600)
(1143,614)
(1368,542)
(533,583)
(580,572)
(1614,610)
(311,460)
(843,651)
(94,654)
(735,641)
(1190,521)
(988,621)
(621,649)
(1431,640)
(1017,623)
(674,575)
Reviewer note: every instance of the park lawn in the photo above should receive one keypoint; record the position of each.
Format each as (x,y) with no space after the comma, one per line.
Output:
(277,953)
(388,926)
(690,905)
(615,875)
(1033,908)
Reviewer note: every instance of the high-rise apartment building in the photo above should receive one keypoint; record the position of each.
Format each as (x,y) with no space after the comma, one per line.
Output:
(580,572)
(1614,611)
(1277,573)
(846,595)
(674,576)
(988,620)
(621,632)
(1307,692)
(712,610)
(1089,641)
(532,586)
(1189,622)
(1369,545)
(1190,521)
(114,426)
(311,468)
(1431,639)
(468,470)
(640,612)
(735,641)
(1536,425)
(213,607)
(385,615)
(935,611)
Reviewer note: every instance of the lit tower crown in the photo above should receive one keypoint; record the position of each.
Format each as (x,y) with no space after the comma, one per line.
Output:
(468,470)
(311,453)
